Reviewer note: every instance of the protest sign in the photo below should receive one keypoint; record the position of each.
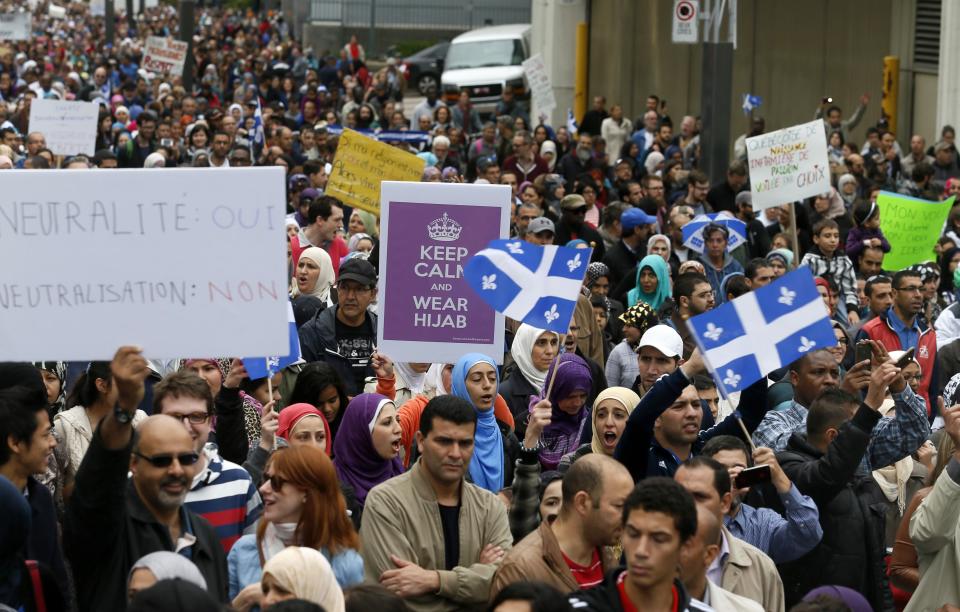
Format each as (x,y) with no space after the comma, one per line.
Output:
(182,262)
(164,55)
(15,26)
(69,127)
(427,234)
(98,8)
(788,165)
(539,80)
(57,12)
(362,163)
(912,226)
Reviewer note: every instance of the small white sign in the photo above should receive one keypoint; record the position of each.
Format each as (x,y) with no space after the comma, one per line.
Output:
(69,127)
(97,259)
(164,55)
(15,26)
(788,165)
(686,14)
(98,8)
(541,90)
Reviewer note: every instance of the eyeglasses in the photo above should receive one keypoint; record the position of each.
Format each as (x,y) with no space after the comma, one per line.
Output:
(276,482)
(165,461)
(909,289)
(195,418)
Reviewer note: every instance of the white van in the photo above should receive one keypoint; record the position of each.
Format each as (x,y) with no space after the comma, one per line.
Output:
(484,62)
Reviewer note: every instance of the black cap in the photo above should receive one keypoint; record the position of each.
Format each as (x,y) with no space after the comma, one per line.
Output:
(359,270)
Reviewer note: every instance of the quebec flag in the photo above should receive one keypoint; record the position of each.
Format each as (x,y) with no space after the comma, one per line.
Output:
(261,367)
(764,330)
(533,284)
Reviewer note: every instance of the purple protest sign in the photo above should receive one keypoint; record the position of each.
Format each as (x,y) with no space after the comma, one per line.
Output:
(427,233)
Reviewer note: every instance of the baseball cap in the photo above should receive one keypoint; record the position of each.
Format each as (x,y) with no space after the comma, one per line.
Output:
(309,194)
(663,338)
(572,202)
(541,224)
(297,178)
(359,270)
(634,217)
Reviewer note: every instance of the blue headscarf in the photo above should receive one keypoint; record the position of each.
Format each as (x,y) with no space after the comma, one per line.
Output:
(486,465)
(661,293)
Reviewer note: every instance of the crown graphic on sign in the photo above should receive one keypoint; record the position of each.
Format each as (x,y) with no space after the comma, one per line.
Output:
(444,229)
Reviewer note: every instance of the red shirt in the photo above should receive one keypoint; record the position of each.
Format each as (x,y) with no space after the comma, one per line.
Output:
(586,575)
(628,605)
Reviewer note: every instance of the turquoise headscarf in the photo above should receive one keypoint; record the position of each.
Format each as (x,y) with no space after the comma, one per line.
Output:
(486,465)
(661,293)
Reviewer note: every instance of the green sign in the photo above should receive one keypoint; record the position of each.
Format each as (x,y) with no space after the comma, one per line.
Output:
(912,226)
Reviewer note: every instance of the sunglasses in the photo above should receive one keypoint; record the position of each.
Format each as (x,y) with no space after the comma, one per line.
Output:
(165,461)
(276,482)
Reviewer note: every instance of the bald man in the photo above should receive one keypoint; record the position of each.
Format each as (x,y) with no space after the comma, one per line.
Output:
(574,551)
(697,556)
(111,521)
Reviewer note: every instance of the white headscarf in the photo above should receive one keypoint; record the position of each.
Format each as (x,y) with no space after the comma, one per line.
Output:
(435,378)
(522,352)
(548,146)
(414,381)
(325,280)
(166,565)
(307,574)
(654,159)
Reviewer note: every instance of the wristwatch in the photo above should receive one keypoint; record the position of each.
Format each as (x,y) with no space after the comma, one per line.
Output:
(122,416)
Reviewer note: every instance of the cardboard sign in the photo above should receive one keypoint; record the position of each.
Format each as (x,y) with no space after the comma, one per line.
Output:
(176,261)
(912,226)
(788,165)
(15,26)
(165,55)
(429,313)
(362,163)
(540,89)
(686,13)
(69,127)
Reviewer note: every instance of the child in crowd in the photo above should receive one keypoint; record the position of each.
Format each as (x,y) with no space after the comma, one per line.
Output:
(867,233)
(823,259)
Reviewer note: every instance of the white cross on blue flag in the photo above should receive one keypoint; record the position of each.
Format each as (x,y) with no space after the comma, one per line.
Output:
(763,330)
(261,367)
(530,283)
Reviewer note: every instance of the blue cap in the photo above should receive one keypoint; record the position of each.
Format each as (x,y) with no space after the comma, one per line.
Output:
(634,217)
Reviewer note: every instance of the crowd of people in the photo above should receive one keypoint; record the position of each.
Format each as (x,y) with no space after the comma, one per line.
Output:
(595,470)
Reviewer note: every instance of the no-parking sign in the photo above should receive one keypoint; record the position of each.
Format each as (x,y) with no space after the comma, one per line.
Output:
(685,16)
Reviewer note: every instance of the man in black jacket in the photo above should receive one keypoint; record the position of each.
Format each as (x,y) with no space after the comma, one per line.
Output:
(823,464)
(572,225)
(111,521)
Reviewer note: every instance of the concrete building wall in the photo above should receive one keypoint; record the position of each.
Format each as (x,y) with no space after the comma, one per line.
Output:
(789,53)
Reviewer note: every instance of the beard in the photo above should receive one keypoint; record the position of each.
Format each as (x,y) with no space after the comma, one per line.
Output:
(168,501)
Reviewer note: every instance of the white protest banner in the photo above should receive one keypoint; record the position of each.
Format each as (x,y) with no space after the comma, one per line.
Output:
(164,55)
(428,231)
(540,88)
(788,165)
(181,262)
(685,16)
(69,127)
(15,26)
(57,12)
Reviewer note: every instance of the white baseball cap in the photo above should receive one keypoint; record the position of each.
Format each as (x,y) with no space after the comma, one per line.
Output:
(663,338)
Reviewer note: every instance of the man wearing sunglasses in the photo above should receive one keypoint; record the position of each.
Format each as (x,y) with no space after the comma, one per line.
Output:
(111,521)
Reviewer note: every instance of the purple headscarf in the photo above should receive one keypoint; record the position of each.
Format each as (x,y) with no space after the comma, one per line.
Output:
(356,461)
(562,435)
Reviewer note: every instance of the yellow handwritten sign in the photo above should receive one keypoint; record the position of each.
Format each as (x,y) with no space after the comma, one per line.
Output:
(362,163)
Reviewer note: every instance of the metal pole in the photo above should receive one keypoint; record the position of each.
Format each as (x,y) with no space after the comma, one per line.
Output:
(793,232)
(186,35)
(373,29)
(110,19)
(131,22)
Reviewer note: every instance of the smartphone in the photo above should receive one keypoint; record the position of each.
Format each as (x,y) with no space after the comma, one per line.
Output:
(863,352)
(166,142)
(752,476)
(906,359)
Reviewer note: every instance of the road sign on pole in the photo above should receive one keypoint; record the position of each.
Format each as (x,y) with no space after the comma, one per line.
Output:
(686,13)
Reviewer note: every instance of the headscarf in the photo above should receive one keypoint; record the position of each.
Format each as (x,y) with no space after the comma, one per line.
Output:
(950,395)
(356,460)
(486,465)
(435,379)
(562,435)
(14,529)
(173,594)
(548,146)
(595,271)
(691,264)
(844,180)
(723,283)
(785,254)
(664,238)
(641,316)
(522,352)
(355,240)
(369,222)
(654,159)
(576,242)
(291,415)
(155,160)
(844,595)
(661,293)
(625,397)
(321,289)
(946,276)
(58,369)
(415,381)
(166,565)
(307,574)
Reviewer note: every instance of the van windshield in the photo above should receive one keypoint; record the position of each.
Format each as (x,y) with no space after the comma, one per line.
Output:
(483,53)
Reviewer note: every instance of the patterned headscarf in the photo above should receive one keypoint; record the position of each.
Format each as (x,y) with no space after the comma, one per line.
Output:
(59,369)
(950,395)
(595,271)
(641,315)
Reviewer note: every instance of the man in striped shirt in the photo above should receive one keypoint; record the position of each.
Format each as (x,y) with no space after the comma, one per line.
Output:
(222,492)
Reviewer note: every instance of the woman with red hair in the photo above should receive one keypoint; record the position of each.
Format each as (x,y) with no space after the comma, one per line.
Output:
(302,506)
